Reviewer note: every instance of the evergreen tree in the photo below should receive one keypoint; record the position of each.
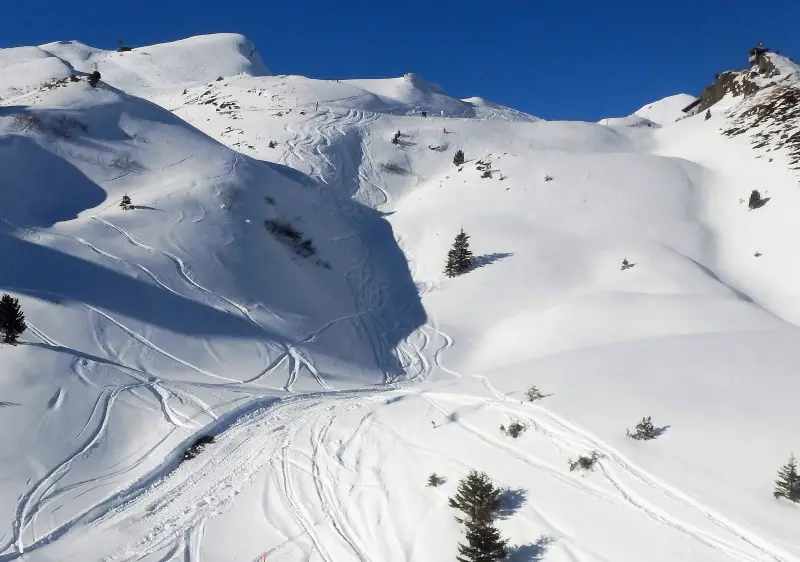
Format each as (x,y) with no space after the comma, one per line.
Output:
(12,320)
(458,159)
(708,114)
(477,498)
(435,480)
(94,78)
(533,394)
(459,258)
(755,200)
(483,543)
(126,203)
(644,430)
(788,483)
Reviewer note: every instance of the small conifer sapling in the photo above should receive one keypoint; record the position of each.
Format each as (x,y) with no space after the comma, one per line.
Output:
(458,159)
(459,258)
(533,394)
(788,483)
(644,430)
(434,480)
(126,203)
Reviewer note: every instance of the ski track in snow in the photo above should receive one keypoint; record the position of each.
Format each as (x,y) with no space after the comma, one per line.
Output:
(167,508)
(559,431)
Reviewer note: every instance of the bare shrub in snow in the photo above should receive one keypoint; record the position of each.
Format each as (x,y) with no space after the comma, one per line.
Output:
(392,168)
(286,233)
(514,429)
(27,121)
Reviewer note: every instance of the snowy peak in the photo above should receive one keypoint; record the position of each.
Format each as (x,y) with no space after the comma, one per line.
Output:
(767,68)
(23,69)
(189,61)
(666,110)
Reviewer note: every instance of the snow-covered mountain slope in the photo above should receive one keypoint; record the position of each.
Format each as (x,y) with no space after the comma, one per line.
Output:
(197,59)
(656,114)
(334,384)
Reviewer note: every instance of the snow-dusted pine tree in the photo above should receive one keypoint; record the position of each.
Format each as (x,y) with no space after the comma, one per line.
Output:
(477,497)
(458,159)
(126,203)
(12,320)
(459,258)
(788,483)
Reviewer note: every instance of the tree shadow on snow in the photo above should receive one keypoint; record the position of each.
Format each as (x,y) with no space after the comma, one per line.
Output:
(488,259)
(529,552)
(511,501)
(659,431)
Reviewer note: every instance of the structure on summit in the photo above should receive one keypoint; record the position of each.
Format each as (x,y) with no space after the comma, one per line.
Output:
(734,82)
(755,54)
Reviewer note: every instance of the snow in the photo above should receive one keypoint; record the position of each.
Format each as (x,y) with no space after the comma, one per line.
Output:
(334,384)
(656,114)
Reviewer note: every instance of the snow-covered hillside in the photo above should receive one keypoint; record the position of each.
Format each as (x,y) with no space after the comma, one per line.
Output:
(279,286)
(656,114)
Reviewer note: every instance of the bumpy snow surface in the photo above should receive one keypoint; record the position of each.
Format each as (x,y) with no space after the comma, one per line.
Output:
(289,302)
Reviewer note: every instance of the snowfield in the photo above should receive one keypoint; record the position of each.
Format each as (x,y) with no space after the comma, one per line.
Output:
(279,286)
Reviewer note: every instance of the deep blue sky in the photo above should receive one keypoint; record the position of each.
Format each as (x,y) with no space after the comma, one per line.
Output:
(558,59)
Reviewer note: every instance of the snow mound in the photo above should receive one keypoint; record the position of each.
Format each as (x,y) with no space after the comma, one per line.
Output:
(629,121)
(665,111)
(197,59)
(23,69)
(411,95)
(656,114)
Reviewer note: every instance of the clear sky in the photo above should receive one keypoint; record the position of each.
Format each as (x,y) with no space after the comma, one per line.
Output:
(558,59)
